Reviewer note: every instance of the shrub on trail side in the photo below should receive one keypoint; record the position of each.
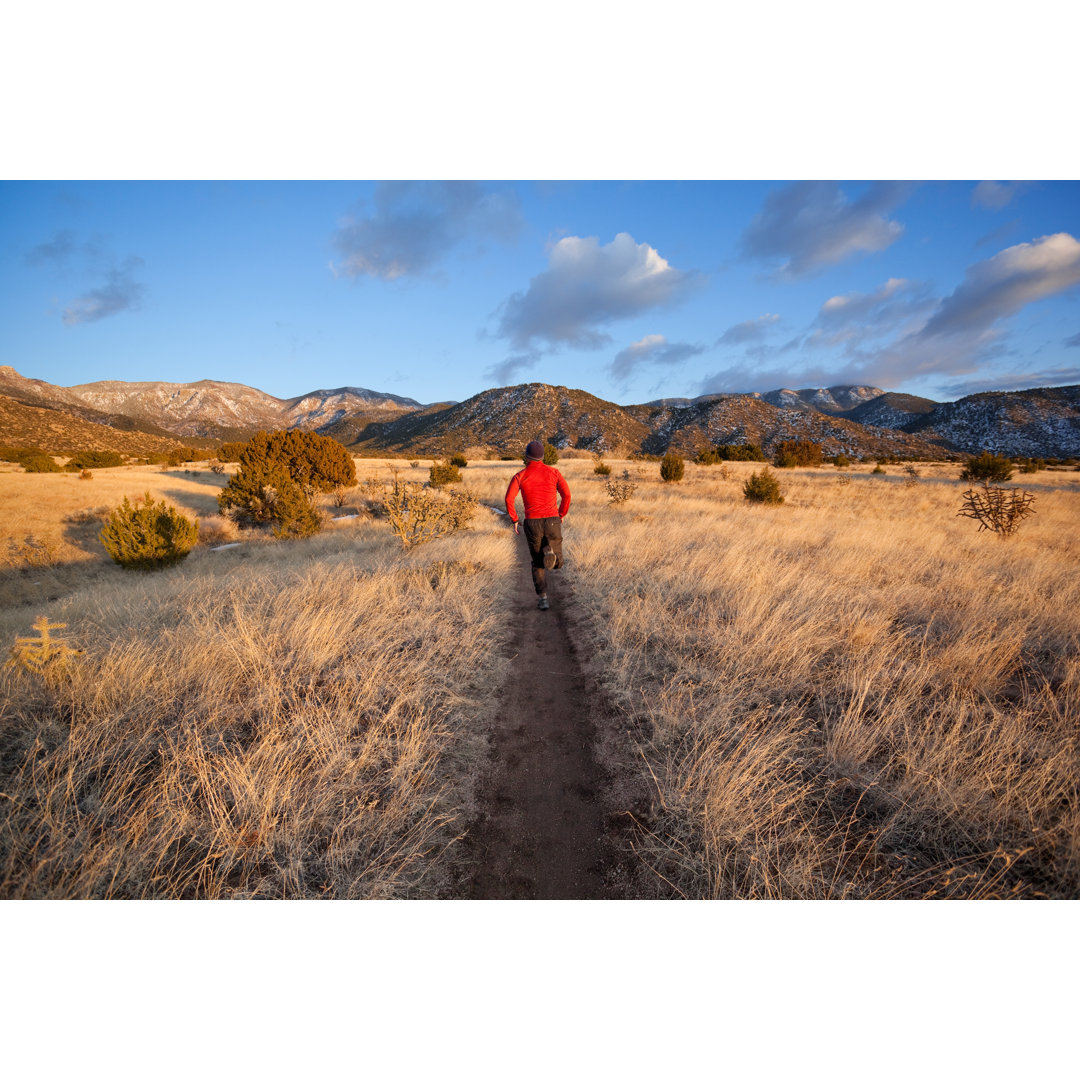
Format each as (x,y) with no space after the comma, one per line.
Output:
(763,487)
(267,494)
(551,455)
(148,536)
(311,460)
(989,467)
(672,468)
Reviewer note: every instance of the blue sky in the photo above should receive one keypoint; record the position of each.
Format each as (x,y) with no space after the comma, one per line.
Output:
(631,291)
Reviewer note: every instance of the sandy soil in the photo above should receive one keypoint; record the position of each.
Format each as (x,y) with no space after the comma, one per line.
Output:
(541,831)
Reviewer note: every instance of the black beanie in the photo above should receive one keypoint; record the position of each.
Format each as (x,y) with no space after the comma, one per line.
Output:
(534,451)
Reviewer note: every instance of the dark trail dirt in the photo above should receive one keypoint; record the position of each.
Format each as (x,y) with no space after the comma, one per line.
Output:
(541,831)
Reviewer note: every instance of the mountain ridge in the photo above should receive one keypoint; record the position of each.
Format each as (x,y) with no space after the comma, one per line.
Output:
(855,420)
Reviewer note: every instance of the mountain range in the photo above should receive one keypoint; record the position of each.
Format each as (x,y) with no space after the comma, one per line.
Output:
(853,420)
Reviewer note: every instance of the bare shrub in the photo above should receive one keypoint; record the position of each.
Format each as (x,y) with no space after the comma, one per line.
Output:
(340,495)
(911,475)
(844,479)
(620,489)
(86,474)
(33,550)
(996,509)
(217,529)
(419,514)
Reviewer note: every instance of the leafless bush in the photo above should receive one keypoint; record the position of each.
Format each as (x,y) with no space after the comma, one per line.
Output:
(33,550)
(620,489)
(339,495)
(418,514)
(911,475)
(843,479)
(723,470)
(996,509)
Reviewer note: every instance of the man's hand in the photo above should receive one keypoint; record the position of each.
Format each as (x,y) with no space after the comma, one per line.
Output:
(516,529)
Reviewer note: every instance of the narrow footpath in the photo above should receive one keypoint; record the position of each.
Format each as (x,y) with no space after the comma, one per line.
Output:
(539,836)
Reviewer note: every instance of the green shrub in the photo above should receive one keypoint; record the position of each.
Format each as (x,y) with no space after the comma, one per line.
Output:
(551,455)
(602,469)
(231,451)
(19,454)
(445,473)
(313,461)
(739,452)
(1031,465)
(458,460)
(40,463)
(989,467)
(148,536)
(841,461)
(796,452)
(672,468)
(95,459)
(878,469)
(268,495)
(763,487)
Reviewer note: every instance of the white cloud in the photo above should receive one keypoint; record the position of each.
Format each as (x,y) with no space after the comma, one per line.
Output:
(416,223)
(651,349)
(812,224)
(585,286)
(1001,285)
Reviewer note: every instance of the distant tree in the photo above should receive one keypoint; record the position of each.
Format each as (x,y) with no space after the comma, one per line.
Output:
(231,451)
(95,459)
(551,455)
(739,452)
(794,452)
(313,461)
(672,468)
(40,463)
(458,460)
(989,467)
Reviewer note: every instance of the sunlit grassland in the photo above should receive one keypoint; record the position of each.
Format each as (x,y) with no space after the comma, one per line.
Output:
(853,694)
(281,719)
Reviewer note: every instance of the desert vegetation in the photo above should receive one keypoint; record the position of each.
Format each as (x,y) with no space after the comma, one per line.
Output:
(854,693)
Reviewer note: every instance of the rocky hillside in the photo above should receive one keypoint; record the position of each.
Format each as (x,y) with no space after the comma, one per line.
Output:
(854,420)
(503,420)
(1044,422)
(743,418)
(59,431)
(207,409)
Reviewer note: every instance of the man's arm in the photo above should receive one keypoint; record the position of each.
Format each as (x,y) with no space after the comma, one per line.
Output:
(564,495)
(511,495)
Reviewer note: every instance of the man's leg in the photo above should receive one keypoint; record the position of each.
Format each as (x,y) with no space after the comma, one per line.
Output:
(553,539)
(534,534)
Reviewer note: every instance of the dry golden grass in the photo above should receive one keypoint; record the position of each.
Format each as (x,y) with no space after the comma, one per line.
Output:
(854,694)
(283,719)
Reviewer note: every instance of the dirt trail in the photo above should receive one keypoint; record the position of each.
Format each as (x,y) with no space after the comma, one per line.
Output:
(540,832)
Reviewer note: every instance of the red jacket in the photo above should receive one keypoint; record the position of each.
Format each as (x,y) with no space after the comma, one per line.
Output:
(538,483)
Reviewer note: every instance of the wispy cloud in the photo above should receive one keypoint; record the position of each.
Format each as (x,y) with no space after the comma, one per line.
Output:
(415,224)
(586,286)
(901,332)
(812,224)
(119,292)
(1073,342)
(748,331)
(997,194)
(1024,380)
(56,252)
(653,349)
(1001,285)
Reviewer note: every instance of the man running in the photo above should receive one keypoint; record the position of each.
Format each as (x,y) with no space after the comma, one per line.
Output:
(538,484)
